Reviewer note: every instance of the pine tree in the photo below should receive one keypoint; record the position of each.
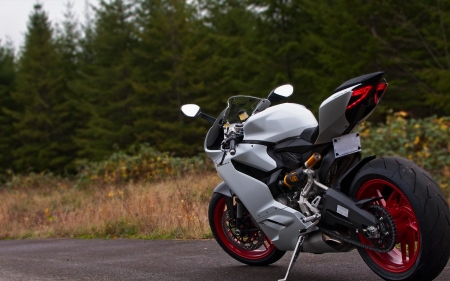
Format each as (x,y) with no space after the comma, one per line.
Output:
(414,45)
(236,58)
(67,48)
(67,39)
(7,84)
(105,82)
(170,72)
(282,27)
(340,46)
(259,45)
(85,57)
(40,128)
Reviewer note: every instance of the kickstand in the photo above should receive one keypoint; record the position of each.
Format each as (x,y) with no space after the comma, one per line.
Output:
(298,249)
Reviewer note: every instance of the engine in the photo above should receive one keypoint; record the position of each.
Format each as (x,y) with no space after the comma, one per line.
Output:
(297,190)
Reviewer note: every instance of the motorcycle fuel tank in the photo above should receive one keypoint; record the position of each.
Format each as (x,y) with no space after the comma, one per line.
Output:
(279,122)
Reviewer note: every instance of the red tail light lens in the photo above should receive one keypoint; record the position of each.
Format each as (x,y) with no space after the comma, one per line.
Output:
(358,96)
(381,88)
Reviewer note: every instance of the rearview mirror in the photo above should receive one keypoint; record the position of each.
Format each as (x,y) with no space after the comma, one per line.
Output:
(281,92)
(284,91)
(190,110)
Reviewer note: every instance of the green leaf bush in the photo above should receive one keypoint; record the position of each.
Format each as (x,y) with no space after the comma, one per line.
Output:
(139,163)
(423,141)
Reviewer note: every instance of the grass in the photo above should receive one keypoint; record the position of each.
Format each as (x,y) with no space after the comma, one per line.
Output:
(124,195)
(174,208)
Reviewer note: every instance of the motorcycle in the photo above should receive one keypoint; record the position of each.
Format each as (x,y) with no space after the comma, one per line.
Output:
(291,183)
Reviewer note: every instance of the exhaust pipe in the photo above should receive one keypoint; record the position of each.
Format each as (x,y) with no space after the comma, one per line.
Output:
(319,243)
(337,244)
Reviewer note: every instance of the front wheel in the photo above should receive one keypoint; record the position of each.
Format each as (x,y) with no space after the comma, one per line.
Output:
(420,213)
(250,245)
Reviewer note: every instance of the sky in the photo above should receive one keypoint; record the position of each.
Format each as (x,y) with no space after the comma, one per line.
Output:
(14,15)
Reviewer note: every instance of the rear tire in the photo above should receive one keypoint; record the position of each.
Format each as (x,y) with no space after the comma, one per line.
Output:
(421,215)
(251,247)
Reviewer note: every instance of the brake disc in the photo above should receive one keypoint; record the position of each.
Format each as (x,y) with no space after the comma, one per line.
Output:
(249,238)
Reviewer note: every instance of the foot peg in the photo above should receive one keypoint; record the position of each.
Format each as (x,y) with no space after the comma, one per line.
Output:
(298,249)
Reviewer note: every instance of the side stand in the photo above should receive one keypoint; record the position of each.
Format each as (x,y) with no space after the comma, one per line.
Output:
(298,249)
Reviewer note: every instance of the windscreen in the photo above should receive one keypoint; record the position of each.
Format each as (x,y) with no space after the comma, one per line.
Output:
(239,103)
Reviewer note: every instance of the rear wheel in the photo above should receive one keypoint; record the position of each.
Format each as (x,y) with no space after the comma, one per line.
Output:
(421,216)
(250,245)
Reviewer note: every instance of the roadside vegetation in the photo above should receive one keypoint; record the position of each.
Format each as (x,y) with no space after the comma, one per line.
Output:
(423,141)
(168,208)
(142,193)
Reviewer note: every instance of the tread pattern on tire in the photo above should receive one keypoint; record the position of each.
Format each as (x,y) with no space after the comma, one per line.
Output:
(433,214)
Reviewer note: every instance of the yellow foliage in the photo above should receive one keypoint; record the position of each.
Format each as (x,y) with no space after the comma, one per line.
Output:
(401,114)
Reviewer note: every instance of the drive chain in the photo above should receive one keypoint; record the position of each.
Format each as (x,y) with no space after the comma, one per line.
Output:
(386,216)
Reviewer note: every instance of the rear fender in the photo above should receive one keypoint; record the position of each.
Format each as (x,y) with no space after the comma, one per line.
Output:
(345,180)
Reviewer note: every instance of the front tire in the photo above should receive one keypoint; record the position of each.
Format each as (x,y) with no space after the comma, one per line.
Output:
(421,216)
(252,247)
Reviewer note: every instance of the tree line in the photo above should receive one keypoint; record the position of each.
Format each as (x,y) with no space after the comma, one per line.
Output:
(82,91)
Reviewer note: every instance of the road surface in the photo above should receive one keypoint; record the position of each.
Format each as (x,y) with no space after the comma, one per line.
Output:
(126,259)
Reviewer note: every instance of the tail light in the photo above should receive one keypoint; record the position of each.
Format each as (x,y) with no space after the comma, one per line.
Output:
(381,89)
(358,96)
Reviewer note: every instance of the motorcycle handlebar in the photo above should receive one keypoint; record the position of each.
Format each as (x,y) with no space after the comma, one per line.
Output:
(232,146)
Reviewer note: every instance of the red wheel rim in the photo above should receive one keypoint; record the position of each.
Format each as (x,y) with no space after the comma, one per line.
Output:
(219,212)
(407,246)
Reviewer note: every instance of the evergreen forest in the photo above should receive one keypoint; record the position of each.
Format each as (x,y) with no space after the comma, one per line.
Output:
(83,91)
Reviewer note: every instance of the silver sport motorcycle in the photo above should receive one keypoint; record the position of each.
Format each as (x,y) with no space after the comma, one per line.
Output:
(291,183)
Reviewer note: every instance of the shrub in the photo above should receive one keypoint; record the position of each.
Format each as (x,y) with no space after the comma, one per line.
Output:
(139,163)
(423,141)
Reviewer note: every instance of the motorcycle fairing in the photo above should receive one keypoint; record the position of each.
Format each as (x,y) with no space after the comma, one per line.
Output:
(335,119)
(332,120)
(255,156)
(279,222)
(214,136)
(223,188)
(359,80)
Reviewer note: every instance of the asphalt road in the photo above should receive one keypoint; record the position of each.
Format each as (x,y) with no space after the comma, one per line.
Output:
(74,259)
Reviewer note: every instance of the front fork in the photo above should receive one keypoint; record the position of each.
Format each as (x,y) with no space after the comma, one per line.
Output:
(239,212)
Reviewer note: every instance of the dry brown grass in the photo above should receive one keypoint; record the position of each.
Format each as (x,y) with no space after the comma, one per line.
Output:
(174,208)
(55,207)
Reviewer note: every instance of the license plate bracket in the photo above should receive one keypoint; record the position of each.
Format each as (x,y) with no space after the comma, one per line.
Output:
(346,144)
